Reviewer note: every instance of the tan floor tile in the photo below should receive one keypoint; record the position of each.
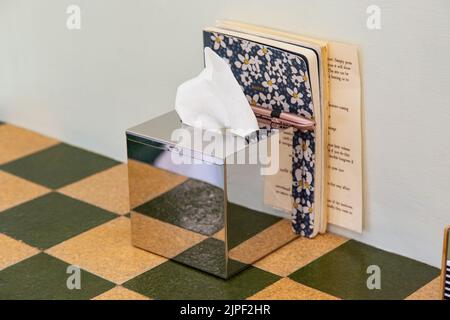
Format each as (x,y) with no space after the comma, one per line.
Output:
(430,291)
(299,253)
(287,289)
(17,142)
(13,251)
(263,242)
(148,182)
(160,237)
(220,235)
(120,293)
(107,251)
(107,189)
(15,190)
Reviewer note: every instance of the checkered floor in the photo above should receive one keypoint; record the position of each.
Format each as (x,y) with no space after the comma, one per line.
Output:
(61,206)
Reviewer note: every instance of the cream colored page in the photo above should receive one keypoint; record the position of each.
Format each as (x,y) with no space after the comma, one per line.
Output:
(344,201)
(278,187)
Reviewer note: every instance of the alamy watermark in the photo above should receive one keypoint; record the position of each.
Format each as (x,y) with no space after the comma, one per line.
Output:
(374,19)
(374,280)
(194,146)
(73,21)
(73,282)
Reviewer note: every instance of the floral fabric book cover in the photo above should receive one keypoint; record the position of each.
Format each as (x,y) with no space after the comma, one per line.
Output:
(280,80)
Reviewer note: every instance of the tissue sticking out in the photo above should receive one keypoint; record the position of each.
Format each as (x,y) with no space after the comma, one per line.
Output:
(214,100)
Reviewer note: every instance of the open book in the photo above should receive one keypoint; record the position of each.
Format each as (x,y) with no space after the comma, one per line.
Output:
(286,73)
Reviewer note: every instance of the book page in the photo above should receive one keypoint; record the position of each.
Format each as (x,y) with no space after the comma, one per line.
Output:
(344,202)
(278,187)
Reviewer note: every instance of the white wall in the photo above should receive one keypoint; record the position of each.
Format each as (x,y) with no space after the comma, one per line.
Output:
(86,87)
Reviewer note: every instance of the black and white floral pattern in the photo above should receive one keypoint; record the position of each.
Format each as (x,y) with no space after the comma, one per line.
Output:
(277,80)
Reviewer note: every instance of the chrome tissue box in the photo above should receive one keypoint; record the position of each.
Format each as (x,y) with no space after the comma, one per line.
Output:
(199,208)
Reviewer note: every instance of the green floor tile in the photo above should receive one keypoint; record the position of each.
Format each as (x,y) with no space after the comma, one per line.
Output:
(171,280)
(58,166)
(343,273)
(45,277)
(209,256)
(51,219)
(193,205)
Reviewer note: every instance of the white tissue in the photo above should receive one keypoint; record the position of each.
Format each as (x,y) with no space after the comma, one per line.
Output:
(214,100)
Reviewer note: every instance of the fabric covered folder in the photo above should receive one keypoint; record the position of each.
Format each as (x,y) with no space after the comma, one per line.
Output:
(283,78)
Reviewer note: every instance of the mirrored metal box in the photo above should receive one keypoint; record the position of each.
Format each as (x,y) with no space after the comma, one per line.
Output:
(198,205)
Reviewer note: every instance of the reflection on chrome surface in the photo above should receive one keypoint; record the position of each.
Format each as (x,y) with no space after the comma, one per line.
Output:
(206,215)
